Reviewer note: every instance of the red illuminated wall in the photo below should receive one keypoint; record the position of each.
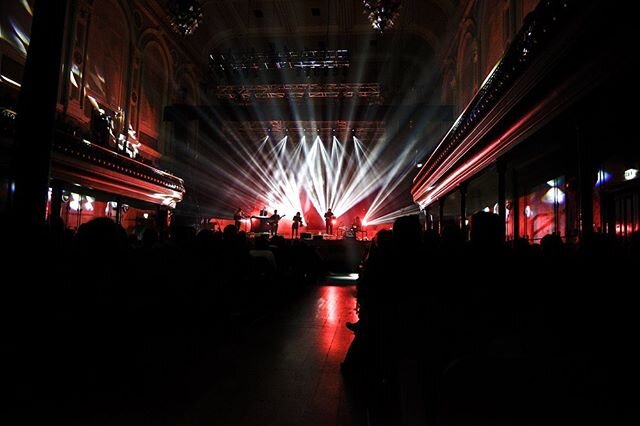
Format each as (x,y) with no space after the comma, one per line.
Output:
(154,82)
(107,55)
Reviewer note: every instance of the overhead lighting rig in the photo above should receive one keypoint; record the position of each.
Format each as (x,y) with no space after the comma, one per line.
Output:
(278,60)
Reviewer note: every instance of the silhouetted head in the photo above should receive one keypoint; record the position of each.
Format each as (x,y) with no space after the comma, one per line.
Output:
(205,240)
(230,232)
(383,239)
(635,241)
(486,230)
(406,230)
(431,239)
(101,235)
(183,235)
(552,245)
(261,243)
(150,237)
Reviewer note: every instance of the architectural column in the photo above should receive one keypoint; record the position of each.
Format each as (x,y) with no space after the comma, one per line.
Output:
(463,209)
(56,200)
(515,206)
(502,196)
(586,171)
(118,211)
(73,96)
(162,216)
(441,217)
(37,111)
(133,91)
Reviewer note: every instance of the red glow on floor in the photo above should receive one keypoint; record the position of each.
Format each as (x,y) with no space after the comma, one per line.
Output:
(334,307)
(330,299)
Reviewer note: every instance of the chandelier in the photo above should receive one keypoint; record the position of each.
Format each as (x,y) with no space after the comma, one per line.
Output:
(382,13)
(185,15)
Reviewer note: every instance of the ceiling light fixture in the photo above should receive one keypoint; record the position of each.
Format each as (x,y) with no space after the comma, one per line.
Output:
(185,15)
(382,14)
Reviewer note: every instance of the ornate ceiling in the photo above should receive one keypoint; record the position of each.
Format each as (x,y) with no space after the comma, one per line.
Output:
(256,23)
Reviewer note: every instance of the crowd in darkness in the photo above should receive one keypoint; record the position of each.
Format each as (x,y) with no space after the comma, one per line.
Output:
(485,333)
(450,332)
(99,314)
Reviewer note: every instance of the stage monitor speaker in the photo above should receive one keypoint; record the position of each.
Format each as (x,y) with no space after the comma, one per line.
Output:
(305,235)
(317,238)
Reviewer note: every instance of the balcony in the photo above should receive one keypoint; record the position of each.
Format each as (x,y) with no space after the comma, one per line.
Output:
(80,162)
(539,76)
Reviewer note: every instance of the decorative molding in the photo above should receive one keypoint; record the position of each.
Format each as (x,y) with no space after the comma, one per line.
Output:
(99,168)
(523,66)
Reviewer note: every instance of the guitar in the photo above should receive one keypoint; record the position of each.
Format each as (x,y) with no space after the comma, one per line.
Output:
(272,221)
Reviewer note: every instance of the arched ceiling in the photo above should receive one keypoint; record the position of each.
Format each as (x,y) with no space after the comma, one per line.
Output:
(303,21)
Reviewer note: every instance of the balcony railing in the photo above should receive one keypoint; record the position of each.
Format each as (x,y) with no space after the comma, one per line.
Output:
(539,28)
(103,157)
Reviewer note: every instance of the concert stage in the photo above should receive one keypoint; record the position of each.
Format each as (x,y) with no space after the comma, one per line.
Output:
(256,226)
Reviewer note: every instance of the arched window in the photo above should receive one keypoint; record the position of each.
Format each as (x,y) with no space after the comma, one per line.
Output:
(154,86)
(184,132)
(108,55)
(186,92)
(468,63)
(495,25)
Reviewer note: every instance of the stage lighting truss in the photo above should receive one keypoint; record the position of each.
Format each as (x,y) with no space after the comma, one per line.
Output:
(246,94)
(369,130)
(306,59)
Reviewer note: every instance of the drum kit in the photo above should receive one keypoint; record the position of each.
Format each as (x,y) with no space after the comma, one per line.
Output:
(347,232)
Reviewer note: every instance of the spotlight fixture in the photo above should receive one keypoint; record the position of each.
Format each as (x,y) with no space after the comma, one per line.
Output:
(185,15)
(382,14)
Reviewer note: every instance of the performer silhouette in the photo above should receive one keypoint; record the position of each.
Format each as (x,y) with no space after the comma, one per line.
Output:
(328,220)
(237,217)
(297,222)
(273,222)
(356,226)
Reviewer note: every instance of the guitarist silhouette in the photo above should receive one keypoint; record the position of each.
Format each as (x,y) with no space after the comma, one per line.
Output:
(273,222)
(297,222)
